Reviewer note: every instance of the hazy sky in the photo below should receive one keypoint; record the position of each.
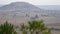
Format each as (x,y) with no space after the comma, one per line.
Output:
(35,2)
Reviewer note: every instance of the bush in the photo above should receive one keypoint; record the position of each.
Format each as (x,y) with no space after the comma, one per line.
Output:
(36,26)
(7,28)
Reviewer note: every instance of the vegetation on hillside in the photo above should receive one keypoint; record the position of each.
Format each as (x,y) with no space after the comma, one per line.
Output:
(35,27)
(32,27)
(7,28)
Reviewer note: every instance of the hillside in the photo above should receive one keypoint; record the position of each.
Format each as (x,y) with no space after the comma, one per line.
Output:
(18,6)
(49,7)
(18,12)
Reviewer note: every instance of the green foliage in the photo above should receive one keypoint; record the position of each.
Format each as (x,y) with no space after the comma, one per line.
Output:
(7,28)
(23,29)
(37,27)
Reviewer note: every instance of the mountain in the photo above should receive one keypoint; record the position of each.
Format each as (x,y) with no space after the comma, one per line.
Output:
(18,12)
(19,6)
(1,5)
(49,7)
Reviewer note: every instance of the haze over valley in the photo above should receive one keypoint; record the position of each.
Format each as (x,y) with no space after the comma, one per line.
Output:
(18,12)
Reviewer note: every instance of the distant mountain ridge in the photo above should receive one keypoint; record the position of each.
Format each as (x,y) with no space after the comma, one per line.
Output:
(18,6)
(49,7)
(18,11)
(1,5)
(27,7)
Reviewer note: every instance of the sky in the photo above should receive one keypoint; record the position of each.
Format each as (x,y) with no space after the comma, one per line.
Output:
(34,2)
